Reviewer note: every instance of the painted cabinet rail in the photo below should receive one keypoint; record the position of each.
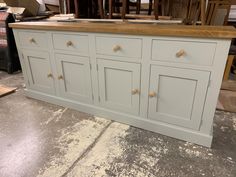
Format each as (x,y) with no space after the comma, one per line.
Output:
(168,85)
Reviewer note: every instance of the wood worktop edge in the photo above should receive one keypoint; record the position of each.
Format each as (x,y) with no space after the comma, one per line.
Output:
(225,32)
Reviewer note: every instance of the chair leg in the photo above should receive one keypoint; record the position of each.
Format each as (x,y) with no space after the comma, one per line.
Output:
(110,8)
(150,7)
(68,6)
(76,8)
(138,4)
(127,6)
(163,13)
(203,11)
(100,7)
(168,8)
(124,8)
(156,10)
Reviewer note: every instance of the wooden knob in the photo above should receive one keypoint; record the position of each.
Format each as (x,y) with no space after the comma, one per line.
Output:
(135,91)
(69,43)
(152,94)
(32,40)
(116,48)
(50,75)
(60,77)
(180,53)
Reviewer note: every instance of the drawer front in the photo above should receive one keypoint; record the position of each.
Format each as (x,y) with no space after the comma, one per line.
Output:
(33,39)
(71,42)
(121,47)
(190,52)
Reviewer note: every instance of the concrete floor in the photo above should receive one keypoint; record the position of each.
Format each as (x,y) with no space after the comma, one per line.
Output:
(45,140)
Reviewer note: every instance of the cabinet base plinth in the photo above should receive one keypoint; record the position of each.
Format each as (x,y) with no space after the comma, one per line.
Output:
(144,123)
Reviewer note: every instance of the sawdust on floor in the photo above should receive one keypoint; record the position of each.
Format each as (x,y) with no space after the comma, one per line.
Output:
(72,143)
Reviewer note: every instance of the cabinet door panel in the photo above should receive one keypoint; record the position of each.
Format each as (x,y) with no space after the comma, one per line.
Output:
(116,82)
(180,95)
(75,83)
(38,69)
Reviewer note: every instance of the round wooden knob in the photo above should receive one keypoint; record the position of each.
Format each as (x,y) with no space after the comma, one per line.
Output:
(60,77)
(32,40)
(116,48)
(180,53)
(69,43)
(135,91)
(152,94)
(50,75)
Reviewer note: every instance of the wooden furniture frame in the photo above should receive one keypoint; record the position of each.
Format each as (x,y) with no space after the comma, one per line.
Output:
(212,8)
(162,5)
(75,5)
(125,4)
(134,4)
(125,8)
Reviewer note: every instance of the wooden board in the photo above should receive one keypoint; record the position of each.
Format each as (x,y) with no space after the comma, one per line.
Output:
(227,101)
(6,90)
(224,32)
(229,85)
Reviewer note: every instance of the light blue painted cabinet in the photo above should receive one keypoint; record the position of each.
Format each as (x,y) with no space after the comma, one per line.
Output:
(168,85)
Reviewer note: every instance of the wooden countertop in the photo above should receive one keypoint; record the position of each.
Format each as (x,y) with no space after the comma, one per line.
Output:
(133,29)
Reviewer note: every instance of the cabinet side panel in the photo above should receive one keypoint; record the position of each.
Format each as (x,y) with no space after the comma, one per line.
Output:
(221,56)
(21,57)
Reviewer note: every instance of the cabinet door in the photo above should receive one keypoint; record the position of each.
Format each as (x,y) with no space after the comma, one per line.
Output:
(74,77)
(177,95)
(39,71)
(119,85)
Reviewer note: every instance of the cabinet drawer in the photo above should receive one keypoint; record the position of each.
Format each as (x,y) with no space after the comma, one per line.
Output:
(116,46)
(33,39)
(78,43)
(190,52)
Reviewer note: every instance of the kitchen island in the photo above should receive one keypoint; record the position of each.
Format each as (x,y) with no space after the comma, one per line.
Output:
(162,78)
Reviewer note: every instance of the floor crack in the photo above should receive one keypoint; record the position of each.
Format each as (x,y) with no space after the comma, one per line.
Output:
(87,150)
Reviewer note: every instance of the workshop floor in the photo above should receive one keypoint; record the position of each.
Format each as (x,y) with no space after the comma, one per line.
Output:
(41,139)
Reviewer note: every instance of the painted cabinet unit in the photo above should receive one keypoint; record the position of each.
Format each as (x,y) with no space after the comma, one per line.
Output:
(166,84)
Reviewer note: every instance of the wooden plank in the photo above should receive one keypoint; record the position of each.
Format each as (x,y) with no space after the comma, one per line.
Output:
(6,90)
(224,32)
(143,17)
(228,100)
(229,85)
